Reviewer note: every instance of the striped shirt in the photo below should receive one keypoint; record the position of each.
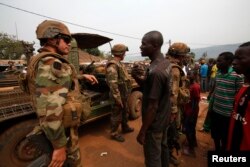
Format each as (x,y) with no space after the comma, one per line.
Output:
(226,88)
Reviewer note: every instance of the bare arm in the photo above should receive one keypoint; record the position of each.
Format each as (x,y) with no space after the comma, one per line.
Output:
(90,78)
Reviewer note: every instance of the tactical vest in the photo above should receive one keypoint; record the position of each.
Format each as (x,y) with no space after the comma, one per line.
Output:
(124,82)
(184,92)
(72,108)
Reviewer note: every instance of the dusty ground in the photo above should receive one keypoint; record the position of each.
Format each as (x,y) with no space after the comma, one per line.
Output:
(99,151)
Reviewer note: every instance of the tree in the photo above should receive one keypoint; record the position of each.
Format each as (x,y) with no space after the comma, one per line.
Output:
(10,48)
(95,52)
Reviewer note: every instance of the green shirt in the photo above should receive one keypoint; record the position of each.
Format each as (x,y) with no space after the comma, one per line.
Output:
(226,88)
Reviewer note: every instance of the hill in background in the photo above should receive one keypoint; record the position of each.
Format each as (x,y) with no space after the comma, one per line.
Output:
(214,51)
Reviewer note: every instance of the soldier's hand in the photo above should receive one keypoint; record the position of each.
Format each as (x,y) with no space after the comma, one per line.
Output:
(90,78)
(58,157)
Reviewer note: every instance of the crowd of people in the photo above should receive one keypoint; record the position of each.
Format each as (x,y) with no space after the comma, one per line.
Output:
(171,88)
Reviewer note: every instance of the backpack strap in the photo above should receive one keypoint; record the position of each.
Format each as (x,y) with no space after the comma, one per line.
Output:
(112,62)
(182,79)
(180,69)
(32,69)
(35,59)
(117,67)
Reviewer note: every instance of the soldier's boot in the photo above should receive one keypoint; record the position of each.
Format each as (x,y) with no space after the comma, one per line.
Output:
(117,137)
(127,129)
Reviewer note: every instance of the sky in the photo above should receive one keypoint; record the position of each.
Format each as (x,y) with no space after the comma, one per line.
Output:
(198,23)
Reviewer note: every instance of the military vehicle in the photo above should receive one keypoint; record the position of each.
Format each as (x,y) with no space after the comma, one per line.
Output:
(17,115)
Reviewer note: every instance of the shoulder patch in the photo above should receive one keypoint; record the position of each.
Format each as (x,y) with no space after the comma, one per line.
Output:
(57,65)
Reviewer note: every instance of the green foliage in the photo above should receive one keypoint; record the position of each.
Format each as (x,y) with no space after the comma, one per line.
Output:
(94,51)
(107,55)
(10,48)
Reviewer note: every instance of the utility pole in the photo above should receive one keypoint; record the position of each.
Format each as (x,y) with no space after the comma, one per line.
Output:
(16,32)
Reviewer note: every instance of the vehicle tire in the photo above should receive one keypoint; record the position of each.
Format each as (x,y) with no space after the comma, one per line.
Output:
(15,149)
(134,104)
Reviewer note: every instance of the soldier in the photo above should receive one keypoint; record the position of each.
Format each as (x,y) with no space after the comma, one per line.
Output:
(52,79)
(120,87)
(177,53)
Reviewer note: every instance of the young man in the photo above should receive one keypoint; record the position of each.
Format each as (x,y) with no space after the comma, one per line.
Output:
(227,84)
(120,87)
(239,137)
(156,102)
(207,122)
(52,77)
(203,75)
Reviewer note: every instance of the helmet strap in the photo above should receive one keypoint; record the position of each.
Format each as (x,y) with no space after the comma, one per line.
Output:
(54,44)
(50,45)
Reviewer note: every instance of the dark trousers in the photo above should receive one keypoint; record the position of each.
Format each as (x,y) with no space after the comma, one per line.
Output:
(203,84)
(189,129)
(219,130)
(156,151)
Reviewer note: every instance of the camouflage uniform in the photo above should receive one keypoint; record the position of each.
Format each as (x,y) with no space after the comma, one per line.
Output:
(52,83)
(176,80)
(120,87)
(176,50)
(51,80)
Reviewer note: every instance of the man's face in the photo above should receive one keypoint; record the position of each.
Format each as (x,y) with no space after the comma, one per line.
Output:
(146,47)
(241,63)
(64,45)
(184,59)
(123,56)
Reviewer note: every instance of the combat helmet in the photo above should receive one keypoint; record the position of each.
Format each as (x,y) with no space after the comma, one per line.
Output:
(119,49)
(50,29)
(178,49)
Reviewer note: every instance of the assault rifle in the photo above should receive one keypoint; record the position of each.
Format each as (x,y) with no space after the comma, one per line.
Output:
(42,161)
(41,143)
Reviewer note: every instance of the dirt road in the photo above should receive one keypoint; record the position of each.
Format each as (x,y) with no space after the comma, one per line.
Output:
(99,151)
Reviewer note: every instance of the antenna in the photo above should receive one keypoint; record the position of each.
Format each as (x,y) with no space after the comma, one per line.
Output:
(16,32)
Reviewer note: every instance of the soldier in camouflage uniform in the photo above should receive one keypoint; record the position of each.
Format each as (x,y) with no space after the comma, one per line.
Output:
(177,54)
(120,87)
(52,83)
